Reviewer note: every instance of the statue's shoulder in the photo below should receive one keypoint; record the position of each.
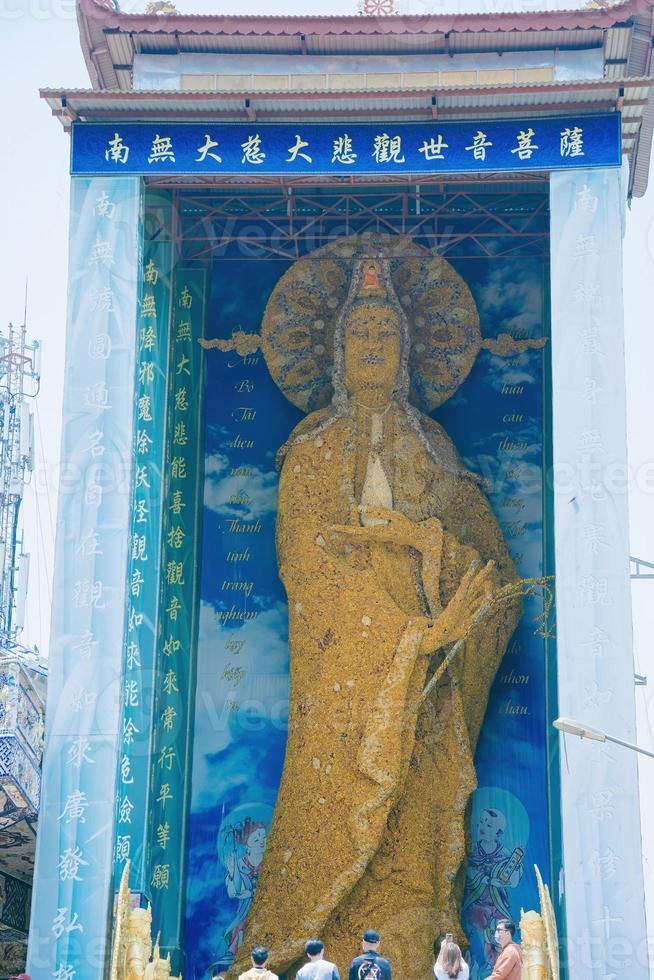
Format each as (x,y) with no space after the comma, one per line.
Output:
(295,442)
(440,441)
(308,423)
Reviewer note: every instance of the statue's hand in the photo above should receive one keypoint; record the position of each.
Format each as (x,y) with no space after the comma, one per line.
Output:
(393,528)
(472,595)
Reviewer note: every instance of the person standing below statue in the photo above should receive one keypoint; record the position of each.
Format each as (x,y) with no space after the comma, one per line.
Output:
(508,965)
(450,964)
(259,969)
(370,965)
(318,968)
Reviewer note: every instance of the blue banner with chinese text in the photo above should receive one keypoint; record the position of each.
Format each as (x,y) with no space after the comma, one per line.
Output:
(73,874)
(344,148)
(143,571)
(178,614)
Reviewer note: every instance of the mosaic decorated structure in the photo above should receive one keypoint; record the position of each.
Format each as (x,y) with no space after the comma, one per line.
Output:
(344,387)
(22,708)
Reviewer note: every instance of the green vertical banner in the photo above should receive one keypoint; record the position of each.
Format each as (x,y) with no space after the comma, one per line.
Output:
(178,613)
(144,562)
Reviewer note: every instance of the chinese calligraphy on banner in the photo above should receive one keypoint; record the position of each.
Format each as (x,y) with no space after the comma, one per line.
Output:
(68,935)
(601,825)
(177,635)
(421,147)
(143,567)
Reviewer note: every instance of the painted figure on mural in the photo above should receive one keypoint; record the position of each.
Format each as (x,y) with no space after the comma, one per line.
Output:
(492,870)
(241,843)
(388,550)
(242,857)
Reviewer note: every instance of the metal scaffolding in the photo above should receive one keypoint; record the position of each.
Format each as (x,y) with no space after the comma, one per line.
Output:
(287,219)
(19,382)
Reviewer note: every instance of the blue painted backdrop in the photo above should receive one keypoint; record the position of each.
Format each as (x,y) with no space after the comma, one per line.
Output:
(242,689)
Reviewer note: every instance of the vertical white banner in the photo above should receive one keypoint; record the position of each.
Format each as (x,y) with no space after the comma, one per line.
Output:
(603,876)
(72,888)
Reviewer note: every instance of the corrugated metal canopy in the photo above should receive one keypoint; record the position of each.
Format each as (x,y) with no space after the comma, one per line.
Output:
(123,46)
(500,101)
(110,38)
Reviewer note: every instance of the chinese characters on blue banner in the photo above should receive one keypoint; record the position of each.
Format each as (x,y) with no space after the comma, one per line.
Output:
(143,567)
(538,144)
(68,936)
(178,610)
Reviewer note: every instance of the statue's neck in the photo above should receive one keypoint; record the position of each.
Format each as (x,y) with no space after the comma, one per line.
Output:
(372,421)
(370,406)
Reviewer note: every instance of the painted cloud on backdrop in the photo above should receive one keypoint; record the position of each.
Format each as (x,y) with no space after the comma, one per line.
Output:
(262,691)
(224,495)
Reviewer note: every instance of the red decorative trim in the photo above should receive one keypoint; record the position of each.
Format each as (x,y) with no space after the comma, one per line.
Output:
(262,25)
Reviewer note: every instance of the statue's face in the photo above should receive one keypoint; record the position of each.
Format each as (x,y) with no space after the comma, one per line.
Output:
(372,350)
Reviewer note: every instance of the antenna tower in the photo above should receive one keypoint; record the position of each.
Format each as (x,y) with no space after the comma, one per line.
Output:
(19,382)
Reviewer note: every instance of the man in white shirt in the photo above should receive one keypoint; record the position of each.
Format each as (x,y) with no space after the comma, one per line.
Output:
(259,971)
(318,968)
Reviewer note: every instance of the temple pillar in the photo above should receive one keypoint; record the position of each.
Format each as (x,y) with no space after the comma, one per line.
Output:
(73,882)
(602,887)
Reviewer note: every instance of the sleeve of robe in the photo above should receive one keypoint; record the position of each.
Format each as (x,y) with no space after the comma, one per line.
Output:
(473,532)
(472,522)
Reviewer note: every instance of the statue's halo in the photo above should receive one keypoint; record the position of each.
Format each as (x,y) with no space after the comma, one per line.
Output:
(297,333)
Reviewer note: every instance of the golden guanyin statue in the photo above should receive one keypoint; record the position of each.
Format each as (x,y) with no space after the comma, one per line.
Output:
(388,550)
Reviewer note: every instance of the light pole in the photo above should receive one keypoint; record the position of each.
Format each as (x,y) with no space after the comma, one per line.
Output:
(579,728)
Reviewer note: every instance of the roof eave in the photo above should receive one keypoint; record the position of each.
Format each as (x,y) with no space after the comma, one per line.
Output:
(602,17)
(499,101)
(98,17)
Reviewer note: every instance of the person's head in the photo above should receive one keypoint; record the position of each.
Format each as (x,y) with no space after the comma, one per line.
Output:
(314,949)
(259,956)
(370,940)
(491,826)
(504,932)
(450,959)
(440,945)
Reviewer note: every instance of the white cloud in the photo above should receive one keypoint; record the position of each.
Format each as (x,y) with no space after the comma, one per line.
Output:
(221,490)
(513,294)
(505,371)
(263,691)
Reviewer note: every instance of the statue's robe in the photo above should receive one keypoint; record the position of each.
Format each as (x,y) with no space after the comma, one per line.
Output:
(368,830)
